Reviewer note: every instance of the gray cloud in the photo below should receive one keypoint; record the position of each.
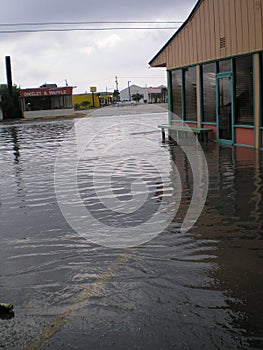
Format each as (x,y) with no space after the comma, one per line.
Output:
(87,58)
(32,10)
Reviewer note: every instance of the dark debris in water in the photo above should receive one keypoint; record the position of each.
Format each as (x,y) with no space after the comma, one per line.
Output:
(6,311)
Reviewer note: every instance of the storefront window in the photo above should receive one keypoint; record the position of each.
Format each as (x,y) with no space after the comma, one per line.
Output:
(48,103)
(209,92)
(177,92)
(37,103)
(190,93)
(244,113)
(67,101)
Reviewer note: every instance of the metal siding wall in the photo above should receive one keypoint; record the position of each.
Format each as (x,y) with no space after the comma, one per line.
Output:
(233,27)
(258,23)
(184,42)
(217,28)
(163,58)
(191,42)
(211,28)
(187,47)
(168,55)
(179,53)
(228,21)
(202,35)
(251,27)
(201,52)
(194,39)
(182,45)
(238,25)
(240,21)
(244,24)
(207,29)
(173,55)
(222,33)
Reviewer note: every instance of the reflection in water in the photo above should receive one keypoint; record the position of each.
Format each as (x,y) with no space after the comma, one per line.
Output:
(233,218)
(16,144)
(199,290)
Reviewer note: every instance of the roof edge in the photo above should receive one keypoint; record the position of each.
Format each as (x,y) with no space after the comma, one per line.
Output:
(179,30)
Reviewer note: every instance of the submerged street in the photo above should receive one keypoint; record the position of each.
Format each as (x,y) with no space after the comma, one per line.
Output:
(200,289)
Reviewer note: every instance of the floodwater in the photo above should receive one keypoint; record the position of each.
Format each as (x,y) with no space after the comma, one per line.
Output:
(202,289)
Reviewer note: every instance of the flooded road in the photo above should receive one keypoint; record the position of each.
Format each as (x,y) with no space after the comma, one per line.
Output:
(196,290)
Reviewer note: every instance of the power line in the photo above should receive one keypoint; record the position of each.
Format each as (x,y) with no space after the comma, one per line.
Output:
(142,77)
(80,29)
(85,22)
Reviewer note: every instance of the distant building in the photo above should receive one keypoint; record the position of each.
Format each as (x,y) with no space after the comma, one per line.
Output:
(150,94)
(157,95)
(47,100)
(215,70)
(126,94)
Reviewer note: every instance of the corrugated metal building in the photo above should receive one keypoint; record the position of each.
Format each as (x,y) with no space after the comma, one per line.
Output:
(215,64)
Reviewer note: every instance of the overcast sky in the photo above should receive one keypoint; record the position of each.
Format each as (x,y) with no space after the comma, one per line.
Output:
(87,58)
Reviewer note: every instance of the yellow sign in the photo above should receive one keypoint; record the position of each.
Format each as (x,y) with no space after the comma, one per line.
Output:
(93,89)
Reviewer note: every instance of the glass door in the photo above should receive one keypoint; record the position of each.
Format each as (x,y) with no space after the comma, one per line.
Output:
(224,108)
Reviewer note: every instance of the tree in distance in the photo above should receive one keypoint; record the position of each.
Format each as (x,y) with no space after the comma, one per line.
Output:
(10,104)
(82,105)
(137,97)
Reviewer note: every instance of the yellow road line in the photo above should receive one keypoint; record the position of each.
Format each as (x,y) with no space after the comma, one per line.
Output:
(93,290)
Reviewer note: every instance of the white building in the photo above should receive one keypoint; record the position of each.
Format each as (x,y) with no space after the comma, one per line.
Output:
(126,94)
(150,94)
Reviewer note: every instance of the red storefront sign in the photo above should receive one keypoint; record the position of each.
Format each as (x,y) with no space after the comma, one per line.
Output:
(40,92)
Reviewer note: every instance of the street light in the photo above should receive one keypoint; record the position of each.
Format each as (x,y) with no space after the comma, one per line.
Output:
(129,89)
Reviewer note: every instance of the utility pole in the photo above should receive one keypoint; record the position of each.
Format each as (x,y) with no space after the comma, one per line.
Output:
(9,75)
(116,94)
(129,89)
(117,84)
